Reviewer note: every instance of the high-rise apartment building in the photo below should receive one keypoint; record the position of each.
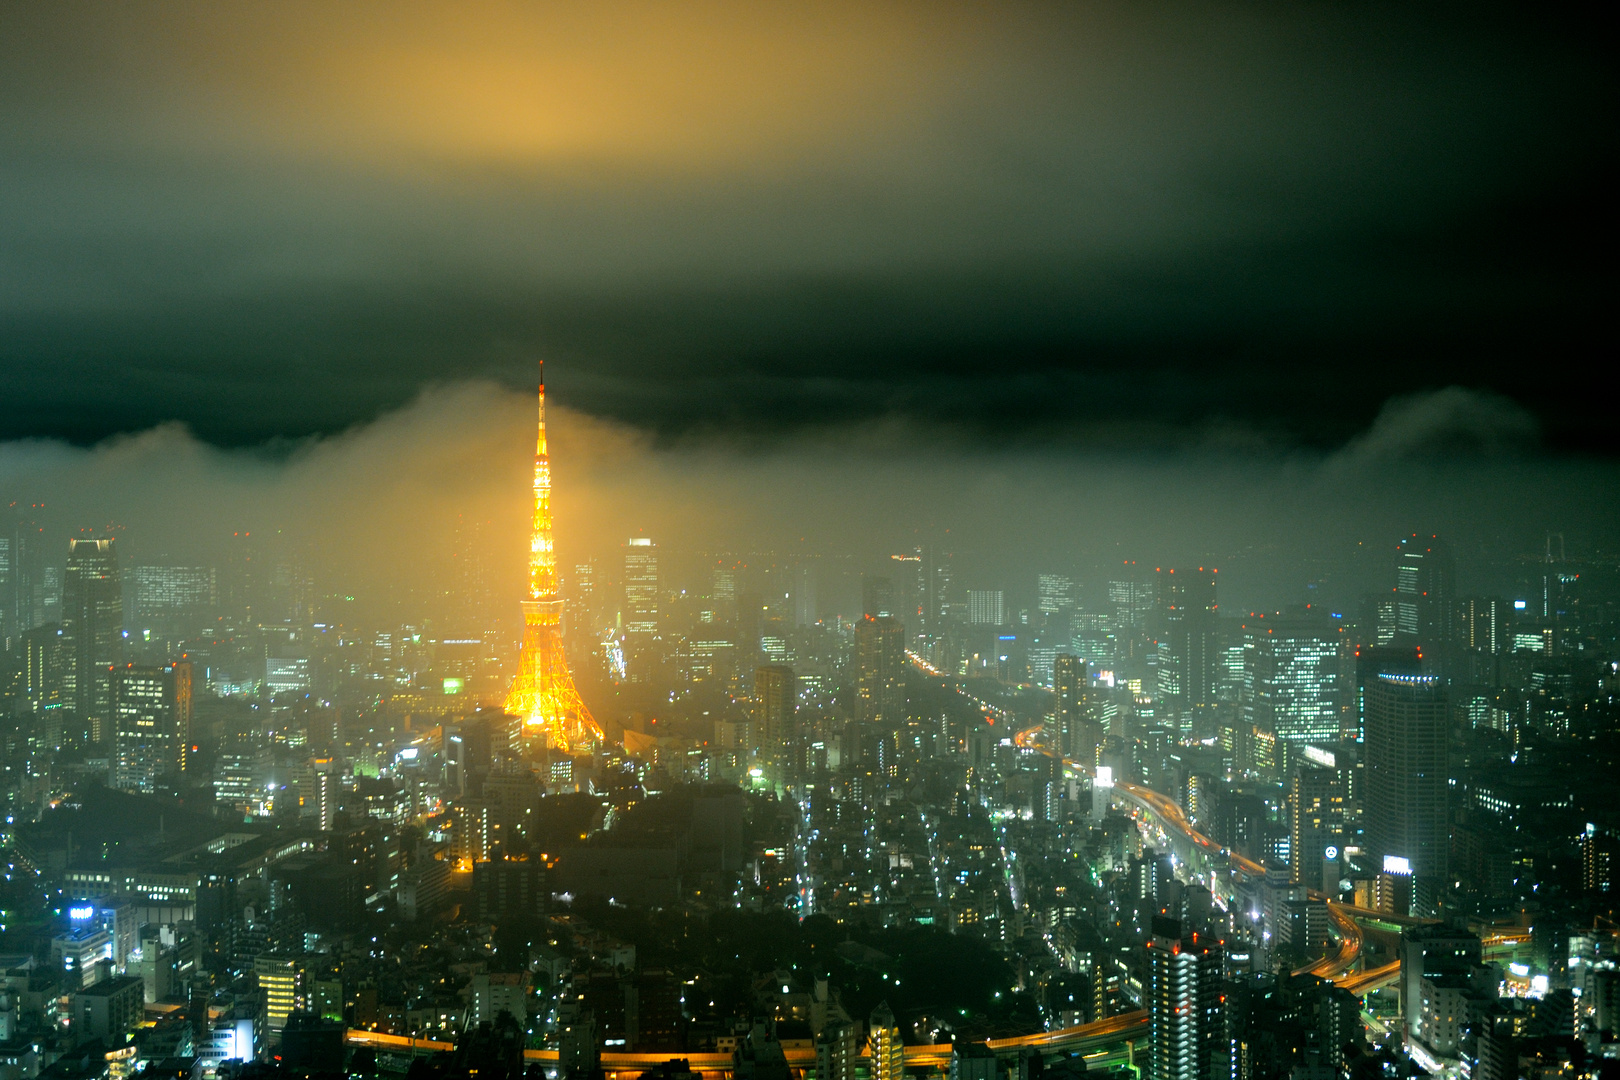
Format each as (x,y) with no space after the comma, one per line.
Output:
(1407,824)
(151,723)
(1186,1006)
(1481,624)
(880,670)
(888,1048)
(1292,676)
(1371,661)
(1078,734)
(93,616)
(776,714)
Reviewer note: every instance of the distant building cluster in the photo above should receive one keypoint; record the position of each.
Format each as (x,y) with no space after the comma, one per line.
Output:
(1100,824)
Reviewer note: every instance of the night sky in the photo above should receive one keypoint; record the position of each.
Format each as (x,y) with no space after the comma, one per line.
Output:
(1091,222)
(1268,233)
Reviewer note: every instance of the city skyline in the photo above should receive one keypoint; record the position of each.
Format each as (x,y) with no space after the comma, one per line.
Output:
(1060,542)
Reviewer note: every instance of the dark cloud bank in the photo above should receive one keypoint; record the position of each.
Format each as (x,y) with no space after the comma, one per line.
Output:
(1118,229)
(1053,287)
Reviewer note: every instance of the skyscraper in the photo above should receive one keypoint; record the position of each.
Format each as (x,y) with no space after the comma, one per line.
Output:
(1291,674)
(48,683)
(776,712)
(877,597)
(640,586)
(1187,653)
(93,616)
(151,723)
(1186,1006)
(1078,735)
(1054,593)
(987,607)
(1423,592)
(1372,661)
(880,665)
(1406,807)
(171,602)
(1481,625)
(805,610)
(22,553)
(641,628)
(543,695)
(1317,818)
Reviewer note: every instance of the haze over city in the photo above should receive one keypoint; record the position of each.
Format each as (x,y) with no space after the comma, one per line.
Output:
(1072,538)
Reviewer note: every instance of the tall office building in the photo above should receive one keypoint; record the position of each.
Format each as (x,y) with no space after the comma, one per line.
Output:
(1291,677)
(281,979)
(877,597)
(151,723)
(805,609)
(880,669)
(22,567)
(1188,650)
(1133,602)
(640,586)
(641,631)
(581,612)
(48,683)
(910,589)
(1055,593)
(1424,570)
(1318,817)
(1091,636)
(1078,735)
(1405,810)
(1186,1006)
(93,616)
(776,715)
(171,603)
(987,607)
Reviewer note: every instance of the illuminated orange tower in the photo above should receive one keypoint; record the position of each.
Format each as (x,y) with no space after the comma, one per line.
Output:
(543,691)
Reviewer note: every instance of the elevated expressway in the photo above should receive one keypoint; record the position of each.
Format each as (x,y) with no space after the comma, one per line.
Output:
(1211,862)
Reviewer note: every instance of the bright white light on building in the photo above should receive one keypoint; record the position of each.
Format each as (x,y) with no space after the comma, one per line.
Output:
(1395,864)
(1105,776)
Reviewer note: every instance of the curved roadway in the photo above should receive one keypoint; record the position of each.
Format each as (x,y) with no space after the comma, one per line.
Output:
(1337,966)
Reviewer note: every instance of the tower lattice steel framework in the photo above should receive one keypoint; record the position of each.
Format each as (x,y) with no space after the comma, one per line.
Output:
(543,691)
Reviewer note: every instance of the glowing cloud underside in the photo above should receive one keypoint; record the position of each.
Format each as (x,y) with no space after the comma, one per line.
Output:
(543,691)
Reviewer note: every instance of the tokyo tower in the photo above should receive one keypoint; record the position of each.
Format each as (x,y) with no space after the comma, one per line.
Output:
(543,691)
